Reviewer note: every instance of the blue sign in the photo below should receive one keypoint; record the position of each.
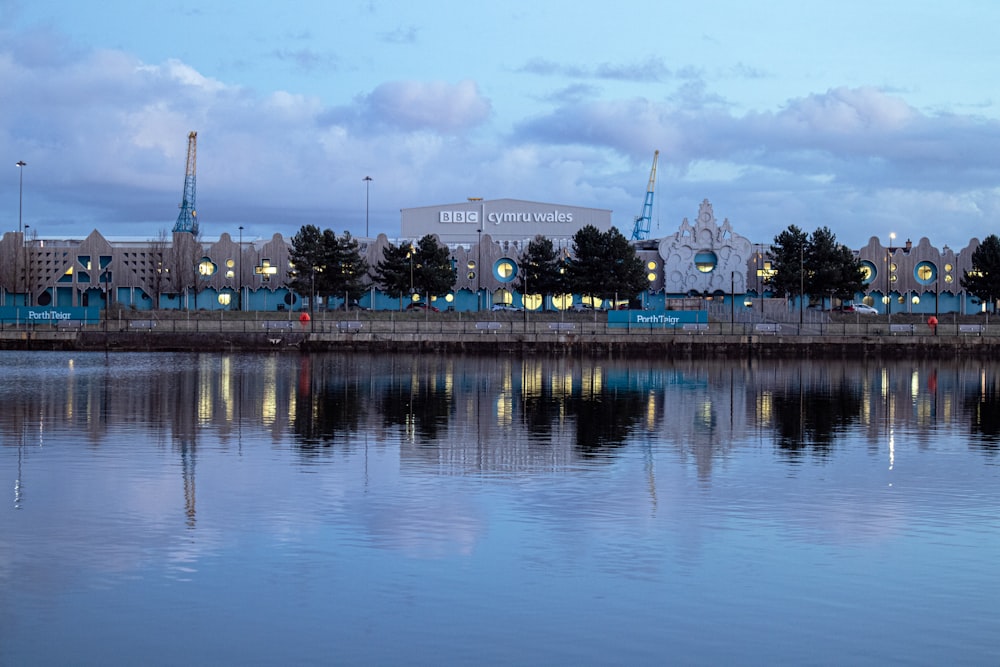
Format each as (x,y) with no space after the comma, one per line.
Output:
(655,319)
(33,315)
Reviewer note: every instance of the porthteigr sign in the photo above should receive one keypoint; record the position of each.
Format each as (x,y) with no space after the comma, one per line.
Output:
(37,315)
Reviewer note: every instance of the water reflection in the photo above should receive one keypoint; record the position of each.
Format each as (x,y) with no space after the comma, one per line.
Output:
(394,495)
(496,411)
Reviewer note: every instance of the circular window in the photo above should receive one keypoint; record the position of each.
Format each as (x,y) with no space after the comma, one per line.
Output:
(705,261)
(868,272)
(925,272)
(206,267)
(505,270)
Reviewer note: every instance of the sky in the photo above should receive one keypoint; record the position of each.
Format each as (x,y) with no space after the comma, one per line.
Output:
(869,117)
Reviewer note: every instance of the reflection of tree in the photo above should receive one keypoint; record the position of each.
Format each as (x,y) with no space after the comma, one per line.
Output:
(982,404)
(331,411)
(416,402)
(811,417)
(605,421)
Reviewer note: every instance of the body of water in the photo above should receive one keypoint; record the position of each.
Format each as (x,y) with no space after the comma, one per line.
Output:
(185,509)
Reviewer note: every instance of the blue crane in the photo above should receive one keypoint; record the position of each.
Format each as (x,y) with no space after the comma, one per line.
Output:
(640,231)
(187,219)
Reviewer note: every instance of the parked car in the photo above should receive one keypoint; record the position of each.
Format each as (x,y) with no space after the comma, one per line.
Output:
(417,305)
(861,309)
(505,306)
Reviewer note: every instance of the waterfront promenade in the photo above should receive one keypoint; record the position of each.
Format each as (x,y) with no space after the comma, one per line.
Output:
(842,336)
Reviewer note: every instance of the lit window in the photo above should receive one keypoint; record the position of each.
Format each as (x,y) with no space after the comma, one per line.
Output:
(506,269)
(224,298)
(948,279)
(915,299)
(705,261)
(229,273)
(651,266)
(206,267)
(230,263)
(471,264)
(651,277)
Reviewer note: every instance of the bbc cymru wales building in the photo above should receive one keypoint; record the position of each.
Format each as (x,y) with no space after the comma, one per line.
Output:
(704,261)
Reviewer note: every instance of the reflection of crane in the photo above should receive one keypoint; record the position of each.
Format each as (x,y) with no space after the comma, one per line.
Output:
(187,219)
(641,230)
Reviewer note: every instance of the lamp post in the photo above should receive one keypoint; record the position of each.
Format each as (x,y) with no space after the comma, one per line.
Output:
(888,276)
(802,281)
(368,181)
(20,164)
(479,271)
(239,269)
(27,274)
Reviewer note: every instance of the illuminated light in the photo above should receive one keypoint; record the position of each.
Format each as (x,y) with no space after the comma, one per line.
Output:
(651,266)
(651,277)
(705,261)
(225,298)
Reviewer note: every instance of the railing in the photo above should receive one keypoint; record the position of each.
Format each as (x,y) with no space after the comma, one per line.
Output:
(510,324)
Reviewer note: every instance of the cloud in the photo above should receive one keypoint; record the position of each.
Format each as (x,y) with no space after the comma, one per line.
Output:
(436,106)
(651,70)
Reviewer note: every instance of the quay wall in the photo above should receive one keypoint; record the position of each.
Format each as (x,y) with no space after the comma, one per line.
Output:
(539,341)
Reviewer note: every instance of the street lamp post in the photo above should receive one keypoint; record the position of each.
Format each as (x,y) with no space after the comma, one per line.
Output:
(27,274)
(368,181)
(20,164)
(239,269)
(802,281)
(479,271)
(888,276)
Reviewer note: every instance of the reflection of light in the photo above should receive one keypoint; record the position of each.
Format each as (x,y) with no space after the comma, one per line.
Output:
(650,411)
(226,388)
(765,405)
(531,379)
(914,384)
(269,401)
(204,399)
(885,382)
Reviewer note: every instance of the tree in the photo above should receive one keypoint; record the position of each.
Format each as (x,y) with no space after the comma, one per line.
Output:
(815,265)
(434,274)
(160,278)
(831,268)
(345,271)
(392,273)
(983,279)
(541,269)
(307,258)
(788,259)
(326,265)
(604,265)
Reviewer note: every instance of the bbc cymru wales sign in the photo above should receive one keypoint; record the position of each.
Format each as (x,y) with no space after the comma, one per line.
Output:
(655,319)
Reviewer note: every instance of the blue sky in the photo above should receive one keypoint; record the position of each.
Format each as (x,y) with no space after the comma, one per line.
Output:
(868,117)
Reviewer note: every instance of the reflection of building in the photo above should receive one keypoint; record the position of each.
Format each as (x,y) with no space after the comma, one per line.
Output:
(486,239)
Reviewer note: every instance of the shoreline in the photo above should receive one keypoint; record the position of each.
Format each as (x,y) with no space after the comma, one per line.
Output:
(551,342)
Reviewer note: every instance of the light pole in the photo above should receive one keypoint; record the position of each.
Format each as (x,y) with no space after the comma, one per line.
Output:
(888,276)
(479,271)
(802,281)
(27,274)
(368,181)
(20,164)
(239,268)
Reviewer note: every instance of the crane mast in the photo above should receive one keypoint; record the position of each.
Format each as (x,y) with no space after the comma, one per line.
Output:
(640,231)
(187,219)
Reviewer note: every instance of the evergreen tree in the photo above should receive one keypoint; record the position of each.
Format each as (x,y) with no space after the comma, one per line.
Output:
(983,279)
(434,273)
(345,272)
(541,269)
(393,272)
(627,277)
(307,258)
(831,268)
(604,265)
(788,259)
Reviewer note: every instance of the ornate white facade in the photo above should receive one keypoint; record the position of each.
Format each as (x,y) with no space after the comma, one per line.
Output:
(705,257)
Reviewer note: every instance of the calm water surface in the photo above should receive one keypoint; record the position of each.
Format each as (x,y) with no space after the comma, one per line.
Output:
(379,510)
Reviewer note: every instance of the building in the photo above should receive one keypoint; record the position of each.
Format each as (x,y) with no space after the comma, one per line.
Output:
(704,260)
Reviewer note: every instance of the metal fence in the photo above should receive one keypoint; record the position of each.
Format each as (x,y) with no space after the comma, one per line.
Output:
(488,324)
